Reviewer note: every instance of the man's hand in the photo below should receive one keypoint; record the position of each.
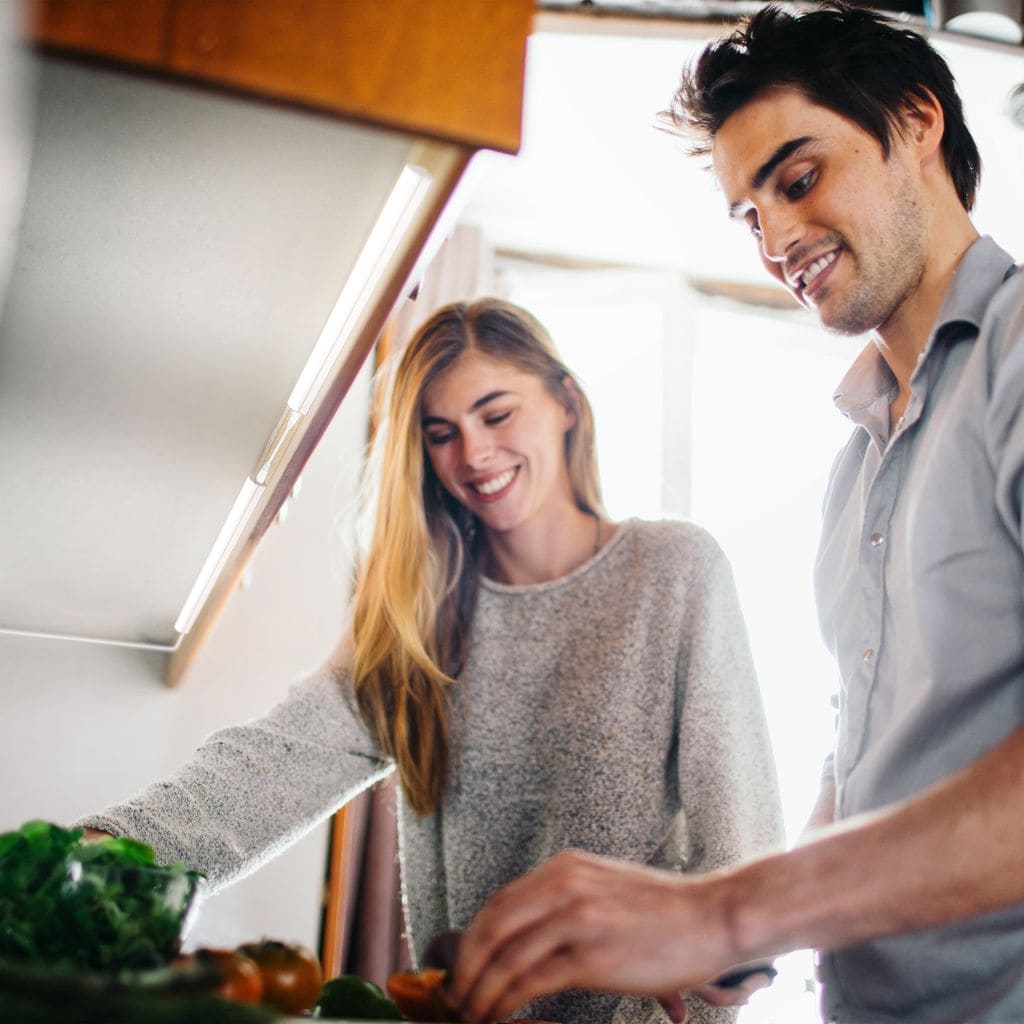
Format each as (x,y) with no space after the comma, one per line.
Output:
(582,921)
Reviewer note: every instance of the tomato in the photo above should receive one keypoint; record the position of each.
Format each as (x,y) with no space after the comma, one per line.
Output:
(236,977)
(291,974)
(421,995)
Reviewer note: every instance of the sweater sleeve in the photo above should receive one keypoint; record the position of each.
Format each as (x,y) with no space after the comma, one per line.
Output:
(252,789)
(727,778)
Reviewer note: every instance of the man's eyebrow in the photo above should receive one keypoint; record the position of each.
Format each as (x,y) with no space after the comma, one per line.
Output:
(783,152)
(479,403)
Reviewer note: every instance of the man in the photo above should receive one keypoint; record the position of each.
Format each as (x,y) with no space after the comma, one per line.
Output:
(839,140)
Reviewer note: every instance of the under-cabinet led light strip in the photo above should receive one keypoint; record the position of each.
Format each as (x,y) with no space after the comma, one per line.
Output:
(386,236)
(380,248)
(230,532)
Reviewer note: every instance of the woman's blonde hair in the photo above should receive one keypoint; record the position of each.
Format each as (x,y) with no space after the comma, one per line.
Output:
(417,585)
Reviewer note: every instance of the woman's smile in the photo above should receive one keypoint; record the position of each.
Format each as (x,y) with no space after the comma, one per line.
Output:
(495,486)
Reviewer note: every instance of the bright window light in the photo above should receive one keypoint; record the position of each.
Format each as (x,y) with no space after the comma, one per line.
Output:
(722,414)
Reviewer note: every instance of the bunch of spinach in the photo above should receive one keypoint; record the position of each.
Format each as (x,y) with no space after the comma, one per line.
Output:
(101,905)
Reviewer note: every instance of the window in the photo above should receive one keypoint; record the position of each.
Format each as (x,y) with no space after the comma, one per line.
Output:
(721,413)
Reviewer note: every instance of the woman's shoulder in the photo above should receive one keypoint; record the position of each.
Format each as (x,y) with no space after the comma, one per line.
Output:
(676,539)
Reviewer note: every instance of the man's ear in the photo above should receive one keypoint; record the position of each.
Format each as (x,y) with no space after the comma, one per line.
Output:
(924,124)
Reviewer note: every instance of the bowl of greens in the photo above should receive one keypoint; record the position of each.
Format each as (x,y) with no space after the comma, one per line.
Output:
(102,905)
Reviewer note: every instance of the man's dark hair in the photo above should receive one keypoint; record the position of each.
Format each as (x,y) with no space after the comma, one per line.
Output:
(856,62)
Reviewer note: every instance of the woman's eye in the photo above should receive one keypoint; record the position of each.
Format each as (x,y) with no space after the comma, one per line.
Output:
(493,421)
(438,439)
(755,229)
(800,186)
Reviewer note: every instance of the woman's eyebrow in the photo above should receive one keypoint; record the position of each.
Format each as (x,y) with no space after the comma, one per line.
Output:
(489,397)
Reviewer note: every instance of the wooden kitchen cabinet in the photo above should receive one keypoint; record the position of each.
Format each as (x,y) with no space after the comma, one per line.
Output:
(449,69)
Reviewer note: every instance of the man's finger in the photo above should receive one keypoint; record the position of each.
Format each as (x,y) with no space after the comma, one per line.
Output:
(542,958)
(519,906)
(675,1006)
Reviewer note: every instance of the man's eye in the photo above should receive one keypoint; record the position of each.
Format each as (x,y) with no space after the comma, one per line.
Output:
(755,229)
(493,421)
(801,186)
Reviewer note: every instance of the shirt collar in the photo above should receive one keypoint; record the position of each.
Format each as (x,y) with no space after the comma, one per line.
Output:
(981,271)
(867,381)
(866,391)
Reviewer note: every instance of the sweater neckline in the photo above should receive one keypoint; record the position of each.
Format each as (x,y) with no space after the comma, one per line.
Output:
(623,528)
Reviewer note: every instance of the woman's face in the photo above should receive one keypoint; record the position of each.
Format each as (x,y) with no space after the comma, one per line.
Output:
(496,439)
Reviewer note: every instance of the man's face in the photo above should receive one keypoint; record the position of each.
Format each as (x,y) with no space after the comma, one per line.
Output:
(839,224)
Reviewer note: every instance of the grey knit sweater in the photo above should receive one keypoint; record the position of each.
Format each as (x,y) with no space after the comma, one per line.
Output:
(614,710)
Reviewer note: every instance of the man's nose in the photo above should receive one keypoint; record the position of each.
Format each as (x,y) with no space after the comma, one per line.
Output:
(780,233)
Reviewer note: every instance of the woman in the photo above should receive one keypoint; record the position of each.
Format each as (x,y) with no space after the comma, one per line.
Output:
(539,677)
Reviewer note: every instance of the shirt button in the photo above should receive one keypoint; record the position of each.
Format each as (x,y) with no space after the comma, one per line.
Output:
(869,654)
(877,540)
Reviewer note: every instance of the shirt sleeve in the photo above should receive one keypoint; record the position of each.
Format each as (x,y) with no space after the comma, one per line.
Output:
(727,777)
(252,789)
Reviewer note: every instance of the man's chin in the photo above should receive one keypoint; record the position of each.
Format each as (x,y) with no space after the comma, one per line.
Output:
(850,323)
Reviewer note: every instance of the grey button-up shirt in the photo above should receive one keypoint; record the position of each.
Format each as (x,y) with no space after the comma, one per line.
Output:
(920,586)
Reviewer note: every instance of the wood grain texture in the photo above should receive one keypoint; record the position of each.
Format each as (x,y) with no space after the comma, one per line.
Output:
(446,69)
(129,30)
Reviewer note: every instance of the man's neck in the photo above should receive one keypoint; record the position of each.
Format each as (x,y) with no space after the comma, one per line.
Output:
(903,337)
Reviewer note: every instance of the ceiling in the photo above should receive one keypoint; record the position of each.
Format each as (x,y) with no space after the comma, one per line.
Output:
(597,181)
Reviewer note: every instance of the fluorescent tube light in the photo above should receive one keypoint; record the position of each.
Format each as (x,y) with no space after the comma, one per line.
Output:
(385,239)
(235,524)
(371,267)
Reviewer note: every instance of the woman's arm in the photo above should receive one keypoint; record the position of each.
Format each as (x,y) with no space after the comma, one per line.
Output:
(252,789)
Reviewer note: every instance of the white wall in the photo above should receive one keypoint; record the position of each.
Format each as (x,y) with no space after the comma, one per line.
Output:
(82,725)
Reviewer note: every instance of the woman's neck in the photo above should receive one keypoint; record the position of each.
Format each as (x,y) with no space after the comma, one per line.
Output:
(539,551)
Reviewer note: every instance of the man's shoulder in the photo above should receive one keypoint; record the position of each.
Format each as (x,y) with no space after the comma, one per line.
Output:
(1003,326)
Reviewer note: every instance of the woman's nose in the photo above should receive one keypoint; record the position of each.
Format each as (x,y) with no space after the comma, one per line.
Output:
(477,448)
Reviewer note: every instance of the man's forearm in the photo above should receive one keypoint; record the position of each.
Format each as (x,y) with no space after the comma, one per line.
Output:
(581,921)
(954,851)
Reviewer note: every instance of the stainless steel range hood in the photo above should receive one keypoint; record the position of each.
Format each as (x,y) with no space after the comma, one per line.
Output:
(197,279)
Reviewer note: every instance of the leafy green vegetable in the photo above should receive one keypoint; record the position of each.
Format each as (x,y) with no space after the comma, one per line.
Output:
(102,905)
(30,994)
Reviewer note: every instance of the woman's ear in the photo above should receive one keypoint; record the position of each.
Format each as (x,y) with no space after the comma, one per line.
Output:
(574,399)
